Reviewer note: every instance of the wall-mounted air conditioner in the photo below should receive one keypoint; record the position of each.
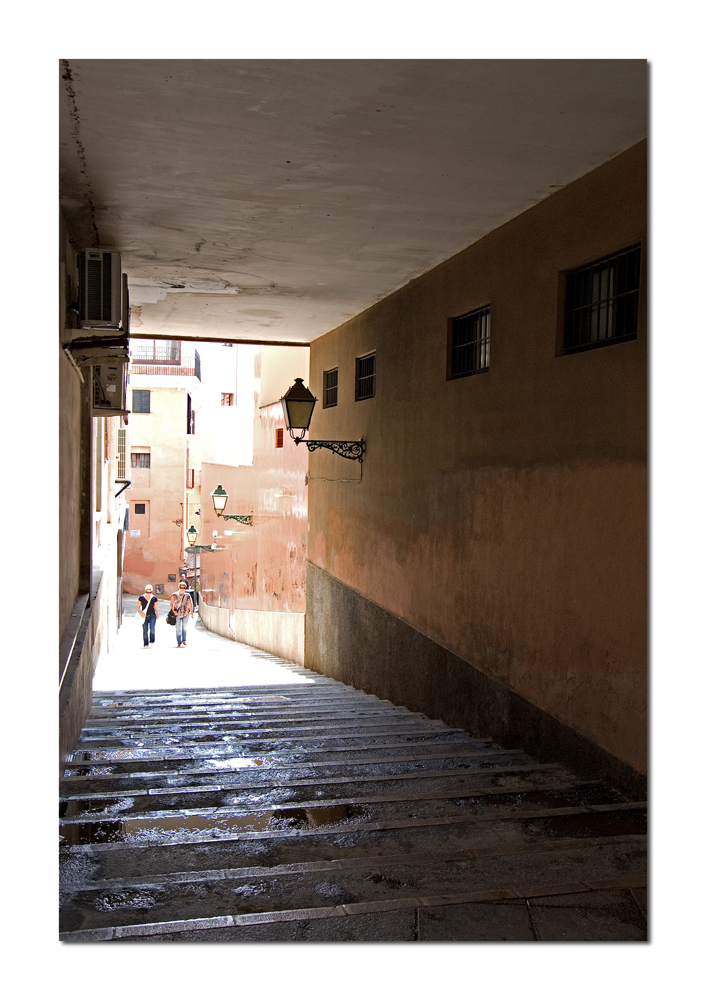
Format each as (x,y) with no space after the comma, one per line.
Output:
(109,390)
(99,290)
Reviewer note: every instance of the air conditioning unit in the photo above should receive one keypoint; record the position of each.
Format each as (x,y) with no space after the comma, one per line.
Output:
(109,390)
(99,290)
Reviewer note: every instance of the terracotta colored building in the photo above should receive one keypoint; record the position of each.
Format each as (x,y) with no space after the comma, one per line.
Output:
(254,584)
(164,395)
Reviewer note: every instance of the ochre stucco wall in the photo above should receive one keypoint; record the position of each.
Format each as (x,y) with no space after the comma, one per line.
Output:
(158,551)
(504,515)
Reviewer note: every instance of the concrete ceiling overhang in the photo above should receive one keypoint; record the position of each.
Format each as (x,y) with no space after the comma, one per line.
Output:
(271,200)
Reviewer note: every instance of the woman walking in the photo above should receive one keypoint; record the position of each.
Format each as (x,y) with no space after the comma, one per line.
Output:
(182,608)
(147,607)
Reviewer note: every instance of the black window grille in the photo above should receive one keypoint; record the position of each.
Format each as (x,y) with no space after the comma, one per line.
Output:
(190,416)
(602,301)
(197,365)
(331,388)
(140,460)
(139,508)
(365,377)
(469,344)
(140,400)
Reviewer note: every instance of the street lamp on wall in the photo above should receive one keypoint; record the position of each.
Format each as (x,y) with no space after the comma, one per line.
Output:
(220,499)
(298,405)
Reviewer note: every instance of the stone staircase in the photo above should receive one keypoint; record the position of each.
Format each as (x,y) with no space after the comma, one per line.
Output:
(315,812)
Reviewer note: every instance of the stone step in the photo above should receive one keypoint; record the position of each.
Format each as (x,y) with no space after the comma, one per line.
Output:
(315,726)
(208,849)
(327,761)
(244,744)
(158,719)
(248,800)
(181,824)
(613,909)
(228,892)
(271,777)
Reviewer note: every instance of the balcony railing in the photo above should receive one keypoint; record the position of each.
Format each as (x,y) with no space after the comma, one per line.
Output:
(164,357)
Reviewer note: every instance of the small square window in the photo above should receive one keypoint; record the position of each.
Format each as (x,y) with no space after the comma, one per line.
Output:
(226,399)
(365,376)
(601,302)
(279,437)
(468,344)
(331,388)
(139,508)
(140,460)
(140,400)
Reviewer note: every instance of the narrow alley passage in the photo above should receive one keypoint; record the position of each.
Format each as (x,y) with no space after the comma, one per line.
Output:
(270,803)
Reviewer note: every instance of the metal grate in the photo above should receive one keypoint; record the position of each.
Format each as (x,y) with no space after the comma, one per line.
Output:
(121,453)
(469,343)
(365,377)
(331,388)
(602,302)
(197,365)
(140,460)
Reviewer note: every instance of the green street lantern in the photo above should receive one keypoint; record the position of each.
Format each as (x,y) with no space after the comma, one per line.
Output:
(298,404)
(192,534)
(220,499)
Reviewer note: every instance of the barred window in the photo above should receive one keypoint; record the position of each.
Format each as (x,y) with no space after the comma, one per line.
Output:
(140,460)
(121,453)
(140,400)
(365,377)
(468,348)
(139,508)
(331,388)
(602,301)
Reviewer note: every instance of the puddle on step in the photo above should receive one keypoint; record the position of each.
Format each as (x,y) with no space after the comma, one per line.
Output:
(163,829)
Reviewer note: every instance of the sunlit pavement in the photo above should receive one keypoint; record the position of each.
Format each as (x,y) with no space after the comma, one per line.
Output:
(207,660)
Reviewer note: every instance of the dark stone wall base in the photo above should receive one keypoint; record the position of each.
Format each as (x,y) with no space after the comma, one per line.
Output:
(359,643)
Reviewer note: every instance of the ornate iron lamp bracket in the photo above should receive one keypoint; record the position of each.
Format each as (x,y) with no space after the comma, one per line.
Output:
(346,449)
(241,518)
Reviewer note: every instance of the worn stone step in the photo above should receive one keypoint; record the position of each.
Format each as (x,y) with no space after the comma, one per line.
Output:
(164,824)
(160,720)
(264,778)
(281,798)
(327,761)
(195,895)
(247,746)
(279,728)
(206,848)
(612,909)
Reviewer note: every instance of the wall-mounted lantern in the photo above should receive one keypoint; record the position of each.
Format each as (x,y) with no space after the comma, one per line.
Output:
(192,535)
(220,499)
(298,405)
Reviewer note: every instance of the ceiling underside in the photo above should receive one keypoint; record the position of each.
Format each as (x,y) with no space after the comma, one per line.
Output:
(271,200)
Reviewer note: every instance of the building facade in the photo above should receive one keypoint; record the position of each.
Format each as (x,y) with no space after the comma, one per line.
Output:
(491,566)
